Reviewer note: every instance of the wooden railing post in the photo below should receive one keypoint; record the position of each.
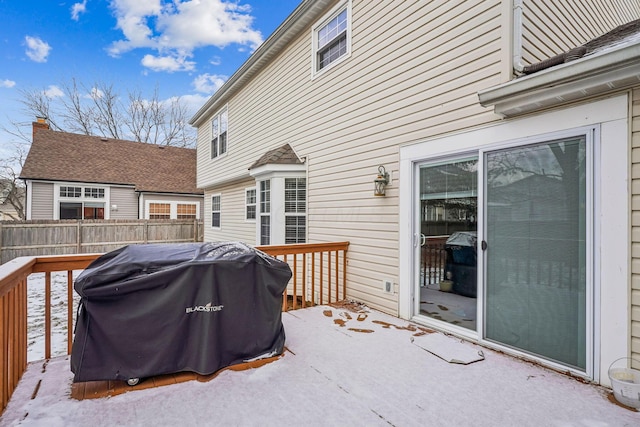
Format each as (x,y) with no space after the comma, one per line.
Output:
(47,315)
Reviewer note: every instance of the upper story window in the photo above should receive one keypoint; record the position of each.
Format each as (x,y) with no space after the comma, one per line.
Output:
(219,126)
(332,37)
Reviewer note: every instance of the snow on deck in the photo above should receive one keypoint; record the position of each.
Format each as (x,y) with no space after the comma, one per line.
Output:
(341,368)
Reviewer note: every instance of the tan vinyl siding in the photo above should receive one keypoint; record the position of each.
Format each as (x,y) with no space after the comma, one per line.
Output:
(42,200)
(233,225)
(126,199)
(553,27)
(414,72)
(635,225)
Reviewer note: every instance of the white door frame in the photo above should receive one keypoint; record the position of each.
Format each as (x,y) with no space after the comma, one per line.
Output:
(611,225)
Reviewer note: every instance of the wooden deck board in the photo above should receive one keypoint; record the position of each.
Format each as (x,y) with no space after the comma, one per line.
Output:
(98,389)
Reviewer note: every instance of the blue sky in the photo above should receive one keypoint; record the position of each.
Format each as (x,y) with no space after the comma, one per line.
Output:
(185,48)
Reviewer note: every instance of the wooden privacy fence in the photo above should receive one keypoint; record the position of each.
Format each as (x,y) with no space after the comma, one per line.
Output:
(318,269)
(37,237)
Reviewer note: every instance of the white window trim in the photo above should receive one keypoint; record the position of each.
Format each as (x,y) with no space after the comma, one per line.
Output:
(173,206)
(57,199)
(610,226)
(296,214)
(315,72)
(260,214)
(217,115)
(276,174)
(212,211)
(255,204)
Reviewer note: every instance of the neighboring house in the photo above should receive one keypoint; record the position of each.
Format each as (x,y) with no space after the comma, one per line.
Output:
(71,176)
(462,106)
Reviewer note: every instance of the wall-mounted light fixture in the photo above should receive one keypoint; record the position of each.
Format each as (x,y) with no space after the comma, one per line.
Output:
(381,181)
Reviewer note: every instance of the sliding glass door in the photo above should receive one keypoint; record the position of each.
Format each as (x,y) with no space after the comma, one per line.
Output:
(536,249)
(448,241)
(504,246)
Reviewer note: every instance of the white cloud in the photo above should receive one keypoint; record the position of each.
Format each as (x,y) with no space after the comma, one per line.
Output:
(96,93)
(194,102)
(182,26)
(7,83)
(53,91)
(77,9)
(169,63)
(208,83)
(37,49)
(216,60)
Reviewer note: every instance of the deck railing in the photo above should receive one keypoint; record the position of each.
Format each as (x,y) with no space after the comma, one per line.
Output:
(432,260)
(319,276)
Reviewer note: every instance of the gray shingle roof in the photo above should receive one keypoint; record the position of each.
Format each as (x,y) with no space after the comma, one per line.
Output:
(62,156)
(279,156)
(620,36)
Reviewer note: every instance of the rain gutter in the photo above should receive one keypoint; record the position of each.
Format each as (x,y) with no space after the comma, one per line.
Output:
(589,76)
(305,14)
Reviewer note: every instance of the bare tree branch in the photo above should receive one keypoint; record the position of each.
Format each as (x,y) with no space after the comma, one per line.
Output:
(12,191)
(101,110)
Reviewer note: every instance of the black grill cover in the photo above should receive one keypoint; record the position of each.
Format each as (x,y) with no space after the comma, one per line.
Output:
(155,309)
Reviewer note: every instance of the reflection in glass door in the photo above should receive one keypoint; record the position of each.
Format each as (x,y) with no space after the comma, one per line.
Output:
(448,249)
(536,269)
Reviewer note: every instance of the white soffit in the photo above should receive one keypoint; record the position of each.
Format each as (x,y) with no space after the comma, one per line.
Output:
(583,78)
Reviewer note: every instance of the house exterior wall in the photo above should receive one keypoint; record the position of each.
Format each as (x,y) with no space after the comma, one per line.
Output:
(553,27)
(413,73)
(126,200)
(635,224)
(233,225)
(41,200)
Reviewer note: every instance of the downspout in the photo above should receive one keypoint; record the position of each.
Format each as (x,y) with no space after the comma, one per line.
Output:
(518,66)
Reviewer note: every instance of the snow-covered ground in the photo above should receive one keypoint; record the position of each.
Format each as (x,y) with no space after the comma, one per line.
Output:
(36,310)
(340,369)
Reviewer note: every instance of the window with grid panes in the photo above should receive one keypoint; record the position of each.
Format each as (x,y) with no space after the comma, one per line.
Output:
(219,126)
(295,210)
(265,212)
(215,211)
(250,204)
(186,211)
(94,193)
(159,211)
(332,38)
(70,191)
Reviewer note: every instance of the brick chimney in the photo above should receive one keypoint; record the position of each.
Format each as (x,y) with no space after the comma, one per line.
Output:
(40,123)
